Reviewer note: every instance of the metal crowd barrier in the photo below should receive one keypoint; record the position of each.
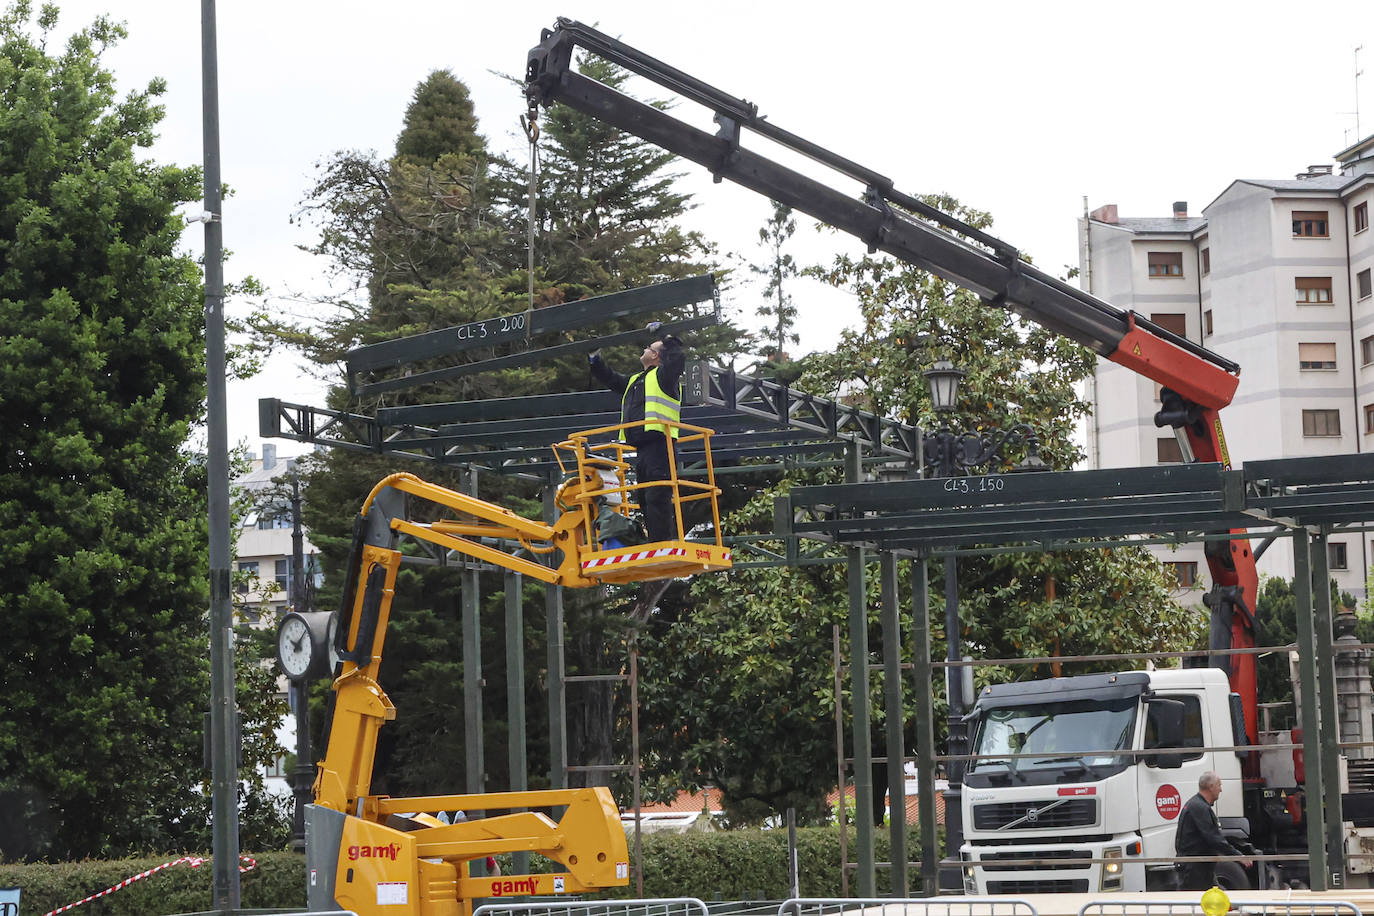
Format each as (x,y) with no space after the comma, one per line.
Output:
(916,906)
(656,906)
(1303,907)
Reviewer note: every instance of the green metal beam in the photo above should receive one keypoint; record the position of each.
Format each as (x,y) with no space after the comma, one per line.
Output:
(1307,676)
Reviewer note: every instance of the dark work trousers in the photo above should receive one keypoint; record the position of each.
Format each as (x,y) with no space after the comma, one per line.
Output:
(1196,876)
(651,463)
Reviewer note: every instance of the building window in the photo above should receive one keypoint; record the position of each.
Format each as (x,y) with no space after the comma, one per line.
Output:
(1166,263)
(1184,572)
(1312,290)
(1367,351)
(1207,323)
(1206,261)
(1171,321)
(1361,217)
(1316,356)
(1167,450)
(1321,422)
(1362,283)
(1335,555)
(1369,418)
(248,569)
(1310,224)
(283,576)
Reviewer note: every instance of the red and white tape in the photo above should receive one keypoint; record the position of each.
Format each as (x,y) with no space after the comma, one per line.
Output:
(639,555)
(192,861)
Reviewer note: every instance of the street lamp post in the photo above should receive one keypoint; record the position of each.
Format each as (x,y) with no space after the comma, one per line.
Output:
(949,454)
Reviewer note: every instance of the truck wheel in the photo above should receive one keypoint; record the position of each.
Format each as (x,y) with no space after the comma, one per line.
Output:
(1231,877)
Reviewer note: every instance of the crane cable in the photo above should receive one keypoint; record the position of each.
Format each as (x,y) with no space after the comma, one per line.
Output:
(530,122)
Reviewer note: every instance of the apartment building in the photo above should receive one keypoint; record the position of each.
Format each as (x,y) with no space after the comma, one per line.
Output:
(1276,275)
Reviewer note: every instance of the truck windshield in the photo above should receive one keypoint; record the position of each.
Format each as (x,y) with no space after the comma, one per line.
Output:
(1080,735)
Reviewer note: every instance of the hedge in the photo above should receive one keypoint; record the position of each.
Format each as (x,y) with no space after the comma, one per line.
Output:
(277,883)
(725,865)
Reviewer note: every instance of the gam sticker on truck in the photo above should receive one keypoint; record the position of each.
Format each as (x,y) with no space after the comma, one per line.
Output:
(1168,802)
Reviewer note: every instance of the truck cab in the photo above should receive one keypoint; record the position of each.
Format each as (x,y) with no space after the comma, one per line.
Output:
(1064,774)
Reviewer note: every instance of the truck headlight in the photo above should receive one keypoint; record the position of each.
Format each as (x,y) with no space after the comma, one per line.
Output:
(1111,867)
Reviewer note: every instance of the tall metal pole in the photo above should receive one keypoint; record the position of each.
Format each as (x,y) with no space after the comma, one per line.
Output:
(475,758)
(1311,729)
(297,593)
(858,681)
(303,778)
(925,727)
(1329,731)
(223,753)
(892,704)
(558,707)
(515,697)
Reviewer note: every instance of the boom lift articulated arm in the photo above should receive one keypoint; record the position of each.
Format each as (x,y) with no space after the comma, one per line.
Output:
(374,854)
(1198,382)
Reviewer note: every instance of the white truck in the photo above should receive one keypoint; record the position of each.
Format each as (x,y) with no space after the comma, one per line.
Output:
(1030,822)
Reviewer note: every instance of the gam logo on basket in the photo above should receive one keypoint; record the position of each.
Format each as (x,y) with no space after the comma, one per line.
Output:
(1168,802)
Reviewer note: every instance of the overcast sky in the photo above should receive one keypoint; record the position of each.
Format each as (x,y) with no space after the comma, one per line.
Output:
(1022,109)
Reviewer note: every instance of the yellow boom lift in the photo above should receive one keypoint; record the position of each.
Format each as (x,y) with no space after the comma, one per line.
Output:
(379,855)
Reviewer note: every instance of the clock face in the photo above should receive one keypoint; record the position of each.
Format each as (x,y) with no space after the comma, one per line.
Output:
(295,647)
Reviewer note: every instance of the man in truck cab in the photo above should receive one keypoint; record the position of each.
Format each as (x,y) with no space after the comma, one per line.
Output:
(1199,834)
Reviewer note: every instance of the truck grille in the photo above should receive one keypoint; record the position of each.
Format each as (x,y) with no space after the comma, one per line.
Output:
(1038,815)
(1015,861)
(1038,887)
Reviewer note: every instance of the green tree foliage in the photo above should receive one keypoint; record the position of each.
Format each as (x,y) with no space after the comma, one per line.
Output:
(1276,619)
(779,270)
(440,122)
(608,209)
(101,376)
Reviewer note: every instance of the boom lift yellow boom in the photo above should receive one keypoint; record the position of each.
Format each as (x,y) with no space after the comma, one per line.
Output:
(373,854)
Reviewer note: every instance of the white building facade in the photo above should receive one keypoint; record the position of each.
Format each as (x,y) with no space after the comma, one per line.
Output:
(1275,275)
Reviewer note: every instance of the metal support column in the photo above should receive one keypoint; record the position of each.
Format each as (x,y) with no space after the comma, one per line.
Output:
(558,706)
(958,740)
(1329,732)
(858,680)
(1307,677)
(472,666)
(892,703)
(515,697)
(224,776)
(925,727)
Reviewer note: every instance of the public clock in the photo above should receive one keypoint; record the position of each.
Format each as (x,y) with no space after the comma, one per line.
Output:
(301,649)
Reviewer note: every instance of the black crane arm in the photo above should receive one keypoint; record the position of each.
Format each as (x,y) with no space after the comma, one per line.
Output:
(922,236)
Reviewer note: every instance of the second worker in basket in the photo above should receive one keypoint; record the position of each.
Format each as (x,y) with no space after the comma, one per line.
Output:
(653,395)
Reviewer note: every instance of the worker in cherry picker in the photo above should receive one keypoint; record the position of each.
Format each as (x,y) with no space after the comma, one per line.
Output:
(653,395)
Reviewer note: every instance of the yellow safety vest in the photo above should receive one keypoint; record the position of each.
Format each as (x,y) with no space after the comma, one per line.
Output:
(657,405)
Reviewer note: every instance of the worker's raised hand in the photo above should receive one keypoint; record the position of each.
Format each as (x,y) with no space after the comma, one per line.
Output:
(653,326)
(594,355)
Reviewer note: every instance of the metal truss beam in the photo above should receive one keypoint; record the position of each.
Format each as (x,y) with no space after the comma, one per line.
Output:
(753,418)
(521,326)
(1059,507)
